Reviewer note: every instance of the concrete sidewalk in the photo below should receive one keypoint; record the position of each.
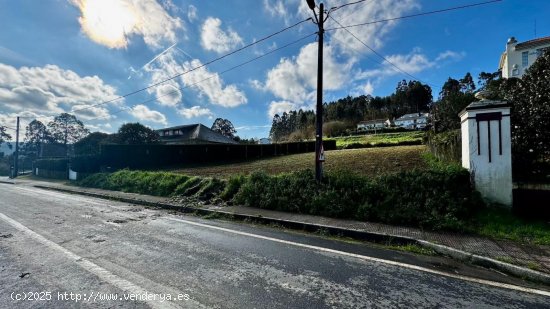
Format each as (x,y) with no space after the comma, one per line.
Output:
(523,260)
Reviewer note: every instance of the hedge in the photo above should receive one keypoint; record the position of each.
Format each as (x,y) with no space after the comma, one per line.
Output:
(436,199)
(433,199)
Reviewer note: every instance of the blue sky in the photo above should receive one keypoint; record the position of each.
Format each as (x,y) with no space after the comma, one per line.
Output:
(73,55)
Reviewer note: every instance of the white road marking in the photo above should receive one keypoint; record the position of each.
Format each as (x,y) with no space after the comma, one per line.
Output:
(363,257)
(373,259)
(89,266)
(61,195)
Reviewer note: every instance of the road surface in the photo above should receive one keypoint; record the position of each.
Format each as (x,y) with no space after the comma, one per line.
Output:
(69,251)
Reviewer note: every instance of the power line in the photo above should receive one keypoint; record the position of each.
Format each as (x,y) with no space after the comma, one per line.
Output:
(215,74)
(415,15)
(334,9)
(380,55)
(197,67)
(8,127)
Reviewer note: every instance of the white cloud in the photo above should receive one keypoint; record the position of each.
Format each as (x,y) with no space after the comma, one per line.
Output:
(215,39)
(51,90)
(206,83)
(192,13)
(412,63)
(87,112)
(368,88)
(294,79)
(113,22)
(279,107)
(195,111)
(278,9)
(211,85)
(450,55)
(163,68)
(143,113)
(373,35)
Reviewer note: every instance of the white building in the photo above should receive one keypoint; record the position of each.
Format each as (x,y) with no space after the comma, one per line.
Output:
(414,121)
(520,56)
(369,125)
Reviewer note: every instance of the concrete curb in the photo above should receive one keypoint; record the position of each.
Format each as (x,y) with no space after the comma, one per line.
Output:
(7,182)
(471,258)
(460,255)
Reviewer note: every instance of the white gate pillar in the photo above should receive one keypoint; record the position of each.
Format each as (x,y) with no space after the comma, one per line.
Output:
(486,148)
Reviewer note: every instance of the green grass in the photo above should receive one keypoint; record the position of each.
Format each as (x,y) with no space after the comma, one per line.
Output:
(502,224)
(416,249)
(377,140)
(367,162)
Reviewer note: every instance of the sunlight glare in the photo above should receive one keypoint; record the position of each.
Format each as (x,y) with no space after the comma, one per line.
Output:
(107,22)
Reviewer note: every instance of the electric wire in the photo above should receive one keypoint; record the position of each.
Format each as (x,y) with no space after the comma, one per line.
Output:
(195,68)
(382,56)
(415,15)
(212,75)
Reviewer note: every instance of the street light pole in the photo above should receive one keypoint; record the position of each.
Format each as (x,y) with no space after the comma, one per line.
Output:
(319,155)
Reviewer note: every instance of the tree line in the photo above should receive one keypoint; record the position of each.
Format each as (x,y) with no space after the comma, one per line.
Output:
(342,116)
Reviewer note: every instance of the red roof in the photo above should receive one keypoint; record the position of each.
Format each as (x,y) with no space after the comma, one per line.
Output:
(533,43)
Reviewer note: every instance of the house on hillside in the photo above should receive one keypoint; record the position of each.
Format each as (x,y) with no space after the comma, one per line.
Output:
(414,121)
(192,134)
(518,57)
(370,125)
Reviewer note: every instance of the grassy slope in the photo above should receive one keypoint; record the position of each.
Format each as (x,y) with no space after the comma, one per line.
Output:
(367,161)
(382,138)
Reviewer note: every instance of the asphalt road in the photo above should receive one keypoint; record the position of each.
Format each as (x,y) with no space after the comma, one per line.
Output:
(68,251)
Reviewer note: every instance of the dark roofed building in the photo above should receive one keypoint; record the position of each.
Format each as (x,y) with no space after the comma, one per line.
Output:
(192,134)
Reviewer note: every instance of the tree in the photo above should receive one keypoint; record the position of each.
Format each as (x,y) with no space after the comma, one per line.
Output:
(4,136)
(67,129)
(409,97)
(467,84)
(36,134)
(530,112)
(90,145)
(224,127)
(136,134)
(454,97)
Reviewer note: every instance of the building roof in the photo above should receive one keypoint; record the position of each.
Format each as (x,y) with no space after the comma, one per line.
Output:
(372,121)
(533,43)
(195,133)
(412,116)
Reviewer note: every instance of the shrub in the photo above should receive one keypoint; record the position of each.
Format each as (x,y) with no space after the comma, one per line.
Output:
(153,183)
(232,187)
(438,199)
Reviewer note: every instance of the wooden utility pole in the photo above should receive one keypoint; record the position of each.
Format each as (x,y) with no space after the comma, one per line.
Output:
(319,152)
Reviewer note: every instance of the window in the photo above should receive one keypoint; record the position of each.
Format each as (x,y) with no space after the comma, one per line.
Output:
(515,70)
(525,58)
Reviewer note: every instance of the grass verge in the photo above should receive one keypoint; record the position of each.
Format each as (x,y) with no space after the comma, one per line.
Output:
(502,224)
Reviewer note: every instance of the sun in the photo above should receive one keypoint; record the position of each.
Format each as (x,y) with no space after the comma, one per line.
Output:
(108,22)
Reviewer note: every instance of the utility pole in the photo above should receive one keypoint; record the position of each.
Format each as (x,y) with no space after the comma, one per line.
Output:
(16,154)
(319,152)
